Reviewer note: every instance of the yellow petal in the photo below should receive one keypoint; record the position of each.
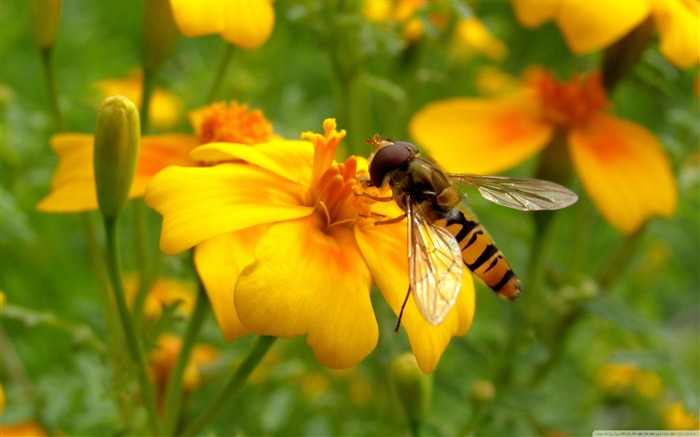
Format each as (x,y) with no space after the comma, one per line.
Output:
(533,13)
(481,135)
(288,159)
(679,26)
(247,24)
(202,203)
(625,171)
(306,281)
(384,249)
(219,261)
(588,27)
(73,184)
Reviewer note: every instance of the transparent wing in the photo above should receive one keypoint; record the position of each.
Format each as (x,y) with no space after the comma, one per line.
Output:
(434,264)
(519,193)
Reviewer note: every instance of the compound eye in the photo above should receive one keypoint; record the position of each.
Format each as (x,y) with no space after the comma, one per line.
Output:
(389,158)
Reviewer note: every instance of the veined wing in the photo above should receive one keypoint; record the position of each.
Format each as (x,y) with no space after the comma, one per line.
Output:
(519,193)
(434,264)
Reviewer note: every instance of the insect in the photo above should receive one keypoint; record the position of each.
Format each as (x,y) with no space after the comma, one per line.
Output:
(441,235)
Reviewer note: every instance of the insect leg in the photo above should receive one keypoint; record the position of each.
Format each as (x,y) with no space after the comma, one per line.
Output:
(398,322)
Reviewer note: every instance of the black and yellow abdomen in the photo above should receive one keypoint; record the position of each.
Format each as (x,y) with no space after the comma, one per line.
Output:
(480,254)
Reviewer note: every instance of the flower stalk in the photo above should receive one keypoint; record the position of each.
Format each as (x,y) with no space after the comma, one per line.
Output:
(173,394)
(220,73)
(232,386)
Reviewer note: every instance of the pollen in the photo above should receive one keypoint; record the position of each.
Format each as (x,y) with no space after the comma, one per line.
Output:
(233,123)
(336,196)
(570,103)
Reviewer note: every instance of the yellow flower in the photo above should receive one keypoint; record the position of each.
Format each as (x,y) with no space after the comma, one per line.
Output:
(621,164)
(165,354)
(587,27)
(246,24)
(470,35)
(287,246)
(401,12)
(164,291)
(165,109)
(616,378)
(677,418)
(73,186)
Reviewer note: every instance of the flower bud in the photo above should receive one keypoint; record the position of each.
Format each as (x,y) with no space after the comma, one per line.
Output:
(482,392)
(159,33)
(45,17)
(413,388)
(117,138)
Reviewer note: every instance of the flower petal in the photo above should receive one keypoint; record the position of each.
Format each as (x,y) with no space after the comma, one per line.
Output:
(481,135)
(200,203)
(219,261)
(306,281)
(247,24)
(385,251)
(288,159)
(588,27)
(534,13)
(73,184)
(625,171)
(679,25)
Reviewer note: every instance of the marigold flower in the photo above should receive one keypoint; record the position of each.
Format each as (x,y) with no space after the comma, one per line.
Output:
(621,164)
(471,35)
(246,24)
(286,245)
(73,186)
(165,109)
(676,417)
(165,354)
(164,291)
(587,27)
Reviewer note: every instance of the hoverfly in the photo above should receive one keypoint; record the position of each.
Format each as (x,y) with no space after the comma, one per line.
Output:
(441,235)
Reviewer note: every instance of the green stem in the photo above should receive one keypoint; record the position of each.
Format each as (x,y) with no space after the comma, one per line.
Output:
(47,62)
(618,263)
(147,88)
(173,394)
(146,268)
(231,386)
(220,73)
(132,342)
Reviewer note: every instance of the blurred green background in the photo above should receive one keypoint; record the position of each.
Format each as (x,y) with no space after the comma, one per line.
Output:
(546,377)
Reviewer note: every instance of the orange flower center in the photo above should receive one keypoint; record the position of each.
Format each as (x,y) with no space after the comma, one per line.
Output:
(568,104)
(234,124)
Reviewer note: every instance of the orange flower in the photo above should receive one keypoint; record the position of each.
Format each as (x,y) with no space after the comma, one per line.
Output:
(247,24)
(621,164)
(164,291)
(287,246)
(588,27)
(73,186)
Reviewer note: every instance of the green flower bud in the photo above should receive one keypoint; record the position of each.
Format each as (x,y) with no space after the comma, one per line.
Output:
(413,388)
(159,33)
(482,392)
(117,138)
(45,17)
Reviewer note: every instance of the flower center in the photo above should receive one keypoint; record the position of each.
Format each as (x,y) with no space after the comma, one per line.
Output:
(233,124)
(568,104)
(336,198)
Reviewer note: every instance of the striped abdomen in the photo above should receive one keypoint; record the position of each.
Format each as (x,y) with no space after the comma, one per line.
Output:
(480,255)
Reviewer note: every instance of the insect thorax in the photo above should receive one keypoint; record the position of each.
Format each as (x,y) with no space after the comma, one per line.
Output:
(426,184)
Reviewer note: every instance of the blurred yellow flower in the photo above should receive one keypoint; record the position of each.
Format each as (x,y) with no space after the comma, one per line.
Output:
(616,378)
(471,35)
(404,13)
(246,24)
(73,186)
(287,246)
(165,108)
(676,417)
(622,166)
(588,27)
(164,291)
(165,354)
